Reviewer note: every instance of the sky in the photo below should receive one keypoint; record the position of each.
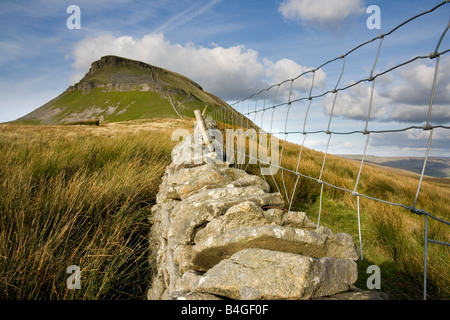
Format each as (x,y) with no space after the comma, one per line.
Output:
(235,48)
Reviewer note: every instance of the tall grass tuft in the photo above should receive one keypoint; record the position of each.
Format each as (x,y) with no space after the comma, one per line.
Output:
(77,196)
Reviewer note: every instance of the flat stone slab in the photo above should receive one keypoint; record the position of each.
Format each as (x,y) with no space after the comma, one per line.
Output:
(195,212)
(243,215)
(212,250)
(258,274)
(188,181)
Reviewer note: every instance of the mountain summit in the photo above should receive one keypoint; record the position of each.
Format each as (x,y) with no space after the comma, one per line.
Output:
(120,89)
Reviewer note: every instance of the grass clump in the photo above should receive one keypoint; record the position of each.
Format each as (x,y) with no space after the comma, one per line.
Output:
(77,196)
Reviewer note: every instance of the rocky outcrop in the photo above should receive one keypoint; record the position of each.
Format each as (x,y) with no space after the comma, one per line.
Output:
(148,79)
(219,232)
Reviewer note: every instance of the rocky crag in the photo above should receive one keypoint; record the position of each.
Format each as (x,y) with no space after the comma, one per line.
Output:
(144,77)
(219,232)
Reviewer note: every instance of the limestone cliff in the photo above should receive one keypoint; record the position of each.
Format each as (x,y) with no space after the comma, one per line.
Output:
(126,74)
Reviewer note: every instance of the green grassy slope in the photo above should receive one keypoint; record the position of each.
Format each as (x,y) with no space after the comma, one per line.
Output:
(114,106)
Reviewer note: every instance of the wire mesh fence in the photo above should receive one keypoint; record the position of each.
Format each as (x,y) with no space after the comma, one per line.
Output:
(304,107)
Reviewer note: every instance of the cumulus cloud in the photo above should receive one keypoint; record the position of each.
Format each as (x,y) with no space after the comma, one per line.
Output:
(286,69)
(416,83)
(418,114)
(230,73)
(411,95)
(353,103)
(320,12)
(404,97)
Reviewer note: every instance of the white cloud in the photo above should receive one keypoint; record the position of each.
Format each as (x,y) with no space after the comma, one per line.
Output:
(286,69)
(230,73)
(416,83)
(418,114)
(413,142)
(401,96)
(353,103)
(411,95)
(320,12)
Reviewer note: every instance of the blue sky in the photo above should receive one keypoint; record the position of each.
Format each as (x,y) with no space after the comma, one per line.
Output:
(234,48)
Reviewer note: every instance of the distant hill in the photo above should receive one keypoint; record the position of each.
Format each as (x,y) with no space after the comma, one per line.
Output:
(436,167)
(120,89)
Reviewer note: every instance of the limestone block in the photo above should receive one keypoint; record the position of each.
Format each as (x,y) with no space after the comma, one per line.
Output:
(259,274)
(249,180)
(275,215)
(212,250)
(184,182)
(191,215)
(193,180)
(243,215)
(298,220)
(189,154)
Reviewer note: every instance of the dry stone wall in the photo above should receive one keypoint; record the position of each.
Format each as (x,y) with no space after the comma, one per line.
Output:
(218,232)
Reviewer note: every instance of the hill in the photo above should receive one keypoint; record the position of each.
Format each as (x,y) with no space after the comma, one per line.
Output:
(120,89)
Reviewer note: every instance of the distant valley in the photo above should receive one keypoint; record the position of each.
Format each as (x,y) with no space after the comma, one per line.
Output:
(438,167)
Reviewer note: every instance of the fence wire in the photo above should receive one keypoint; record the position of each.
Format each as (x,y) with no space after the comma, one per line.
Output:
(246,111)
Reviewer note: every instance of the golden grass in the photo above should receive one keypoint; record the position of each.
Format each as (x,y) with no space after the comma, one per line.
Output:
(80,196)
